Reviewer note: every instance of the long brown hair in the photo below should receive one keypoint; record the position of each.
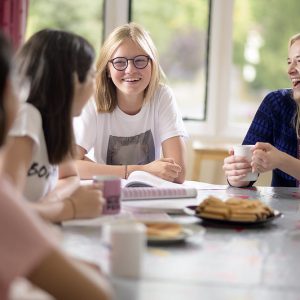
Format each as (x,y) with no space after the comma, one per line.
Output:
(50,59)
(5,70)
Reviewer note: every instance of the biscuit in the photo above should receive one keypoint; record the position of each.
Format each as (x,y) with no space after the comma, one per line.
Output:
(162,229)
(235,201)
(223,211)
(212,201)
(235,209)
(258,212)
(243,217)
(212,216)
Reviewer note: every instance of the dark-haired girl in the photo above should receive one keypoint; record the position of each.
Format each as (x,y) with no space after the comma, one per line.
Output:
(59,67)
(26,246)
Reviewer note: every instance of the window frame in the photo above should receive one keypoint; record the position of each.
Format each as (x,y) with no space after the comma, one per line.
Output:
(216,123)
(187,118)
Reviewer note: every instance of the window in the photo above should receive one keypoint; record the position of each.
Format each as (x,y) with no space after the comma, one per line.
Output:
(77,16)
(246,46)
(179,30)
(261,30)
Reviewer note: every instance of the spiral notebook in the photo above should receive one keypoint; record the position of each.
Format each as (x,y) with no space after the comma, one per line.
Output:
(141,185)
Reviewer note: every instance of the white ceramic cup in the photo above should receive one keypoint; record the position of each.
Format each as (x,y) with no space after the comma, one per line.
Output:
(245,151)
(128,244)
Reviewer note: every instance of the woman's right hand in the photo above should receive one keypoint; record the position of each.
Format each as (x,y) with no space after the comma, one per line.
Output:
(165,168)
(236,168)
(87,201)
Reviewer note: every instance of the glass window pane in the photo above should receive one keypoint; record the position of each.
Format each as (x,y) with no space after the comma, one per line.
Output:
(77,16)
(179,30)
(261,30)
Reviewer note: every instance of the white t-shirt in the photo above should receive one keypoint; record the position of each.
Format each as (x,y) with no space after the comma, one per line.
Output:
(41,175)
(118,138)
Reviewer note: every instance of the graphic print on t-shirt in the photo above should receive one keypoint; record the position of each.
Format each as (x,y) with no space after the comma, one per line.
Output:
(40,171)
(133,150)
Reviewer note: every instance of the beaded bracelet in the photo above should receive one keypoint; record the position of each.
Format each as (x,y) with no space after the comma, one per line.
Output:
(126,171)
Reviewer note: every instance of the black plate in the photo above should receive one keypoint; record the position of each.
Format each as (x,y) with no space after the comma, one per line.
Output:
(190,210)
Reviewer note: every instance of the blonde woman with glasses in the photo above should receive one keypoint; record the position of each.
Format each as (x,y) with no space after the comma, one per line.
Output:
(133,116)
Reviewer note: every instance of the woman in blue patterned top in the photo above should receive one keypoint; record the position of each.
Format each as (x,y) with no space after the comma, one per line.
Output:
(274,132)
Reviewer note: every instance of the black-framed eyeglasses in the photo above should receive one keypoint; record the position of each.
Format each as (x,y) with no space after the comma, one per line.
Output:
(121,63)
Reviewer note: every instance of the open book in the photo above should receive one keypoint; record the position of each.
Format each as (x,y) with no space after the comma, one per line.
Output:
(143,185)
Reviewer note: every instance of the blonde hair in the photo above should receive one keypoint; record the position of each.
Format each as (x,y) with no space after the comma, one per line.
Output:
(292,40)
(106,96)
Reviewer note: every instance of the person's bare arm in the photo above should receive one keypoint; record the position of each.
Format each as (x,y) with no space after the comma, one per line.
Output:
(84,203)
(65,278)
(53,211)
(166,168)
(67,183)
(267,158)
(17,158)
(88,168)
(175,148)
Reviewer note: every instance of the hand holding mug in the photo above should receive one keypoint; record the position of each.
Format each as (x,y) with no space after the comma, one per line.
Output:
(236,167)
(266,157)
(245,152)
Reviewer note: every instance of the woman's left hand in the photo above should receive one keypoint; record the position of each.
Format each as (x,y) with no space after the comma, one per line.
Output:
(265,157)
(165,168)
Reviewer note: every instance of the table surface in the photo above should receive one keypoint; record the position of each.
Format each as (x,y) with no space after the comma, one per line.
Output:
(226,263)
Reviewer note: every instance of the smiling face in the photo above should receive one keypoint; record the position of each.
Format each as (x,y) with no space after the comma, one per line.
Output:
(294,68)
(132,81)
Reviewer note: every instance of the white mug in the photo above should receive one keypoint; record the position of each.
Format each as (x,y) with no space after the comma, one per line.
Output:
(245,151)
(128,244)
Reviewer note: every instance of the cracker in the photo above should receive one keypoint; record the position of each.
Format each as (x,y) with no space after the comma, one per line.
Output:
(243,217)
(163,229)
(223,211)
(235,209)
(212,216)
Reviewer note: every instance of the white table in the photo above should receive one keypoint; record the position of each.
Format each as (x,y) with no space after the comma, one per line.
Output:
(229,263)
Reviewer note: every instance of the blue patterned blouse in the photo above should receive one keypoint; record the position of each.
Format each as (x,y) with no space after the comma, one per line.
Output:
(274,123)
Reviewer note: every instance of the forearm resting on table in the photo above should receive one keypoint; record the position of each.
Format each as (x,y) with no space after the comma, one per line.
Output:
(64,188)
(175,148)
(54,211)
(181,176)
(87,169)
(67,279)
